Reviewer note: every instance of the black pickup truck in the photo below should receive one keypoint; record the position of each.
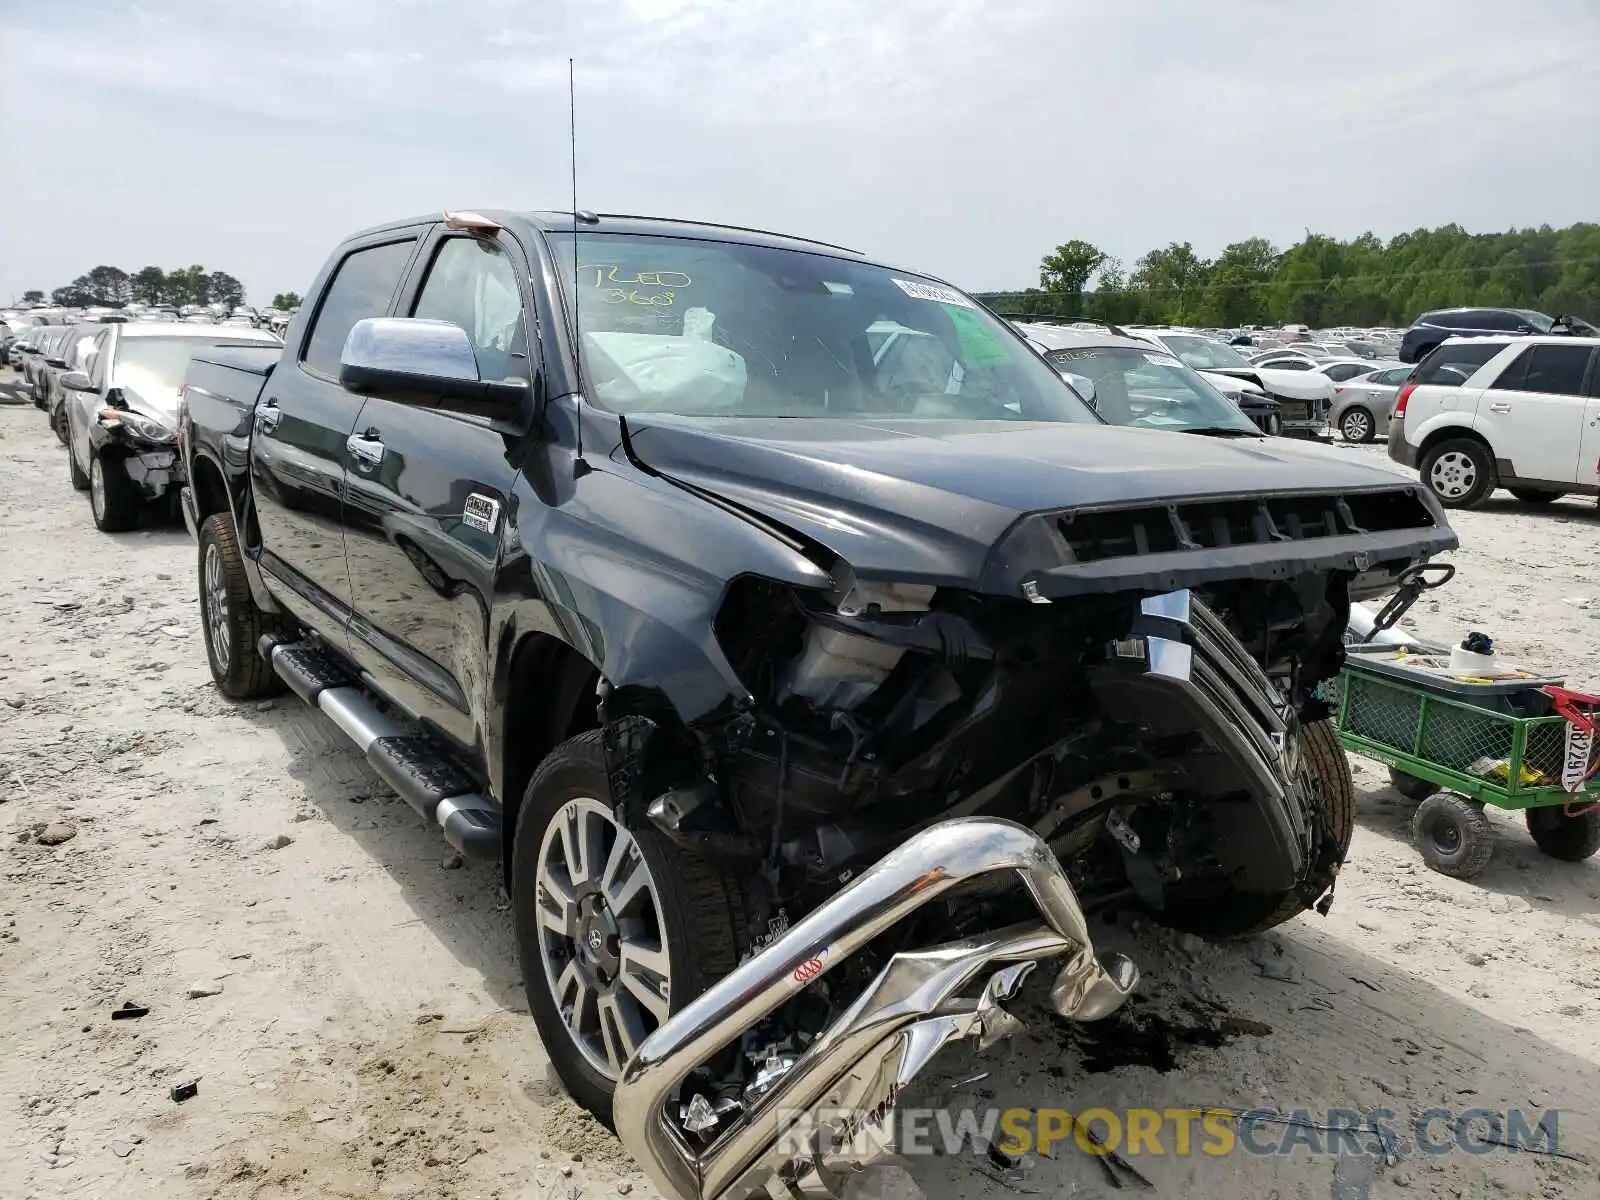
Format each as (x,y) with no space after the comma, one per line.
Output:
(801,555)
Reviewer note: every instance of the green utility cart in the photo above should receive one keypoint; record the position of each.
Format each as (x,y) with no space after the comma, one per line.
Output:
(1455,743)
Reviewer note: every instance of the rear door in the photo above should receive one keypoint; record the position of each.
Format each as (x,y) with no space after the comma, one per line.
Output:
(297,447)
(1441,380)
(1534,413)
(429,489)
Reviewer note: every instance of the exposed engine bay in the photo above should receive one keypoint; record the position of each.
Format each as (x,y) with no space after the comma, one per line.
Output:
(1152,743)
(1151,739)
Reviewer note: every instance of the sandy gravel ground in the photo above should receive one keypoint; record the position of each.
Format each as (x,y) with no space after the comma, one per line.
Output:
(345,992)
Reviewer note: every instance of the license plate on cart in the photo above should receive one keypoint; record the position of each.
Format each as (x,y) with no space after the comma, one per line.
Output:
(1575,764)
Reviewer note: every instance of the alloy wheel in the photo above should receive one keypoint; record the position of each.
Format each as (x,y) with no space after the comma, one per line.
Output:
(601,936)
(1454,474)
(214,595)
(1356,426)
(97,488)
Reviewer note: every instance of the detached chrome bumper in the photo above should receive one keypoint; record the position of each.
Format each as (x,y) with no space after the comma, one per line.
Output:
(823,1116)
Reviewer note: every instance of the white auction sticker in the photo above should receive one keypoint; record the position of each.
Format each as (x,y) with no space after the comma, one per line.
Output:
(1163,360)
(932,291)
(480,512)
(1575,766)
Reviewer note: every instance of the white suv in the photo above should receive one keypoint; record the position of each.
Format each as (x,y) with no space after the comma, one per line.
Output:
(1522,413)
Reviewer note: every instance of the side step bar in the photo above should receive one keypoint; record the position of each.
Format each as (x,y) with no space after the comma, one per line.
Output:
(409,763)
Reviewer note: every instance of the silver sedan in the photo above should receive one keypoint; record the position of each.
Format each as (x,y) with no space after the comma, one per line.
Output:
(1361,406)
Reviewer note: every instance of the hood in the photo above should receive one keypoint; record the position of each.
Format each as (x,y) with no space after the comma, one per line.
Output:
(153,399)
(1292,385)
(927,501)
(1250,395)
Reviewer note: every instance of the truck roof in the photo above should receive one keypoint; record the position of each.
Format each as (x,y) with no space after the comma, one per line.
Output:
(561,222)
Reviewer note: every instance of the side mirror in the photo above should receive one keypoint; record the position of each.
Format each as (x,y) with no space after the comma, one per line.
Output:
(411,357)
(1083,385)
(77,381)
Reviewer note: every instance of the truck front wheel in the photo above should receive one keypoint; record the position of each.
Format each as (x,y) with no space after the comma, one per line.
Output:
(229,617)
(1231,913)
(617,929)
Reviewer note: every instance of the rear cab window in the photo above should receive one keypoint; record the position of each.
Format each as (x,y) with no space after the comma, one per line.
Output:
(1453,363)
(363,286)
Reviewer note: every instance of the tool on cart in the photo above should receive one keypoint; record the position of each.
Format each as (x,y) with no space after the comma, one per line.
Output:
(1413,581)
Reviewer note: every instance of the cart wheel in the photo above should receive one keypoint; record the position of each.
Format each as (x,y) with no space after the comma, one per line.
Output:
(1410,786)
(1453,834)
(1571,839)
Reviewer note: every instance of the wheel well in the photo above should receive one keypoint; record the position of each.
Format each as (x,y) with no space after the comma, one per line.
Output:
(551,695)
(210,492)
(1452,433)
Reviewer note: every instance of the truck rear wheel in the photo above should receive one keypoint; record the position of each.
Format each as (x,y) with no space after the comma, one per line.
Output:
(1230,913)
(617,928)
(231,621)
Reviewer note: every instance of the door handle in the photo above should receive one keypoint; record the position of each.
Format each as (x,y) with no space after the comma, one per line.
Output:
(365,448)
(1500,407)
(268,415)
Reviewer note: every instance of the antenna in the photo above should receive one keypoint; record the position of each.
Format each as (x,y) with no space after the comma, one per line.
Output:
(579,466)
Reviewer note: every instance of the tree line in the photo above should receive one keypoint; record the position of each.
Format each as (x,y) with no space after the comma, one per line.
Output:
(1320,281)
(112,287)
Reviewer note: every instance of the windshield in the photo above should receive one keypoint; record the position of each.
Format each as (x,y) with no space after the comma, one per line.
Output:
(151,366)
(1538,320)
(1203,354)
(705,328)
(1148,389)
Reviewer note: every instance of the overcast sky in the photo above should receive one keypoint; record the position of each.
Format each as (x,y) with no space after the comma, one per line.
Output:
(963,138)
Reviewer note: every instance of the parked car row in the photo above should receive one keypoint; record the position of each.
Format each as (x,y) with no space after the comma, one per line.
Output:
(110,392)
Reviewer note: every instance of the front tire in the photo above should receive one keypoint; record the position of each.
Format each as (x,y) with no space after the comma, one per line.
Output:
(230,620)
(1459,472)
(1571,839)
(114,499)
(1357,425)
(617,929)
(1234,914)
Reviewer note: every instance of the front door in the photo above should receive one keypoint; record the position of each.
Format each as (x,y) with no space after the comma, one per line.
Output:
(1533,414)
(428,496)
(297,451)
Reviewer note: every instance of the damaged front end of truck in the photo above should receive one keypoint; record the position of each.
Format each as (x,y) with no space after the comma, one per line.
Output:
(1124,698)
(910,663)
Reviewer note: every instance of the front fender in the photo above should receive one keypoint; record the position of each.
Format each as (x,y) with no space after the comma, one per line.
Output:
(1446,424)
(630,570)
